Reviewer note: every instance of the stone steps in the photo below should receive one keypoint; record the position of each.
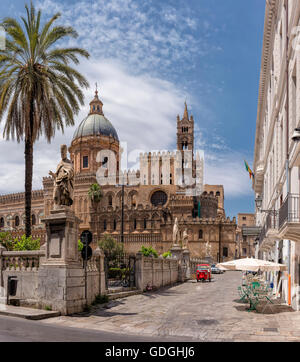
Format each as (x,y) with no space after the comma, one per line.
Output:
(123,294)
(27,313)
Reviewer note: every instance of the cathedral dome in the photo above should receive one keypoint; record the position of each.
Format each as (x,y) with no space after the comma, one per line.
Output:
(95,123)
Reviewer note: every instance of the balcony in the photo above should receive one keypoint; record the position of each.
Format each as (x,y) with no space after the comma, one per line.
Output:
(289,218)
(269,234)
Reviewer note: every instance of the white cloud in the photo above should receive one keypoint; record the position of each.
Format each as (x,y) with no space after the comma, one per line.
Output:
(227,169)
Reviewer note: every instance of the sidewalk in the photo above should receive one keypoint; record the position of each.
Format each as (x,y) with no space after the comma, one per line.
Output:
(27,313)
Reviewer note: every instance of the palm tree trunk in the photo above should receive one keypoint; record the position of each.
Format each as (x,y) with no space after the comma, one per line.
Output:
(28,172)
(28,184)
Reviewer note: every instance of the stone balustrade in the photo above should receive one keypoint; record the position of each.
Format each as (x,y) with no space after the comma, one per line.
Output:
(21,260)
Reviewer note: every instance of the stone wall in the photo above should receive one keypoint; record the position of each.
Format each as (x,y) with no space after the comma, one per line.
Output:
(61,288)
(155,272)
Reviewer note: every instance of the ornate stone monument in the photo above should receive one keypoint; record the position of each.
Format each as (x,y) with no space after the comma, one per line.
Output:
(208,257)
(61,263)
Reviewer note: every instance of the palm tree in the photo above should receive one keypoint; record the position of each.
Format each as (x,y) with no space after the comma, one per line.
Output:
(39,90)
(95,193)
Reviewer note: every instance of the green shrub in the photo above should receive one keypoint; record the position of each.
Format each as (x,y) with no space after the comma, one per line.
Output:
(117,273)
(25,243)
(149,251)
(111,247)
(7,240)
(80,245)
(167,254)
(100,299)
(47,307)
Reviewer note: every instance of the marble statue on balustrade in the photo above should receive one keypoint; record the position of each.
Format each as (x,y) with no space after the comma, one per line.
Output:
(175,233)
(63,181)
(208,249)
(185,239)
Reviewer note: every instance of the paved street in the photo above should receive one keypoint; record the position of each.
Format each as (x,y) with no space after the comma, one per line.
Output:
(191,311)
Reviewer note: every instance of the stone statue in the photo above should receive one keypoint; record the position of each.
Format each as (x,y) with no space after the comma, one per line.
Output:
(175,232)
(185,239)
(208,248)
(63,180)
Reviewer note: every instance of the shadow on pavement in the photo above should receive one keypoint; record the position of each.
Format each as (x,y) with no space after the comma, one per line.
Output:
(265,308)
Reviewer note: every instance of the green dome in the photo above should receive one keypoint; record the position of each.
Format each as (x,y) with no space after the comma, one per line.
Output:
(94,125)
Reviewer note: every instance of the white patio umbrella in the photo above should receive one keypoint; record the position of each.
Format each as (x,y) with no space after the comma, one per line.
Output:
(251,264)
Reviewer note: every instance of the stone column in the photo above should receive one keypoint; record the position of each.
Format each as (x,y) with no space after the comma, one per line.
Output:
(2,248)
(100,260)
(176,252)
(186,262)
(61,275)
(139,271)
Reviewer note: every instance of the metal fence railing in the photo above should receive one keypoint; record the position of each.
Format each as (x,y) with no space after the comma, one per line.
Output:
(289,211)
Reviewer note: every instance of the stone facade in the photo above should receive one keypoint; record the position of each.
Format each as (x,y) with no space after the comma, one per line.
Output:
(245,240)
(153,196)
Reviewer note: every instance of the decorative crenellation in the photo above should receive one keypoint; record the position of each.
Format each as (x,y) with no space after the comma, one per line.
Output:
(20,196)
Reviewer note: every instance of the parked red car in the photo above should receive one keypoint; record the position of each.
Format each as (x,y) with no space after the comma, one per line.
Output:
(203,272)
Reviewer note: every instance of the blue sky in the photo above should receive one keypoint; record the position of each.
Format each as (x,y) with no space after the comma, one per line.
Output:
(148,57)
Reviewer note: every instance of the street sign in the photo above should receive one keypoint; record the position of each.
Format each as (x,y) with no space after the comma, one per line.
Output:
(86,237)
(86,252)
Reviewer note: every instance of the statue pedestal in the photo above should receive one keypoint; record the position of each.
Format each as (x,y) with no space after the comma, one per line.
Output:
(209,260)
(186,262)
(176,251)
(61,275)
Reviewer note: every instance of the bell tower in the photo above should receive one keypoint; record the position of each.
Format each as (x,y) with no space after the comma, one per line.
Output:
(185,131)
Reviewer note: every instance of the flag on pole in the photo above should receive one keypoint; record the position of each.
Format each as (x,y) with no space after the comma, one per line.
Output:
(248,169)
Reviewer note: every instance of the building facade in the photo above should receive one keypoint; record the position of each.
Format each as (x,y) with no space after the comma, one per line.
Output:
(277,155)
(168,185)
(246,234)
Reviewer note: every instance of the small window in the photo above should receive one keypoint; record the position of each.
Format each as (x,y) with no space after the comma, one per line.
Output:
(145,223)
(115,224)
(17,221)
(33,219)
(134,224)
(104,225)
(244,218)
(218,193)
(225,252)
(200,234)
(2,222)
(85,161)
(244,251)
(104,163)
(109,200)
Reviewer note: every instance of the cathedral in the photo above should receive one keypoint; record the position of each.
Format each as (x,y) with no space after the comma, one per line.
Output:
(137,207)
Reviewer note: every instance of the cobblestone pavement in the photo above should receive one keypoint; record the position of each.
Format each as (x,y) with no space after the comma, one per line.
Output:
(198,311)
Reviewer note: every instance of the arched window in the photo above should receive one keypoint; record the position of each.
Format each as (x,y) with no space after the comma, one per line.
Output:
(2,222)
(104,224)
(17,221)
(134,224)
(33,219)
(211,193)
(85,161)
(109,200)
(145,223)
(200,234)
(115,224)
(218,193)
